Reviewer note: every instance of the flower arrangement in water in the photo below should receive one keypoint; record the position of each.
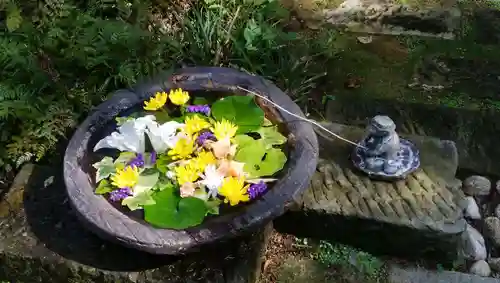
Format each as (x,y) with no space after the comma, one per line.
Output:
(200,156)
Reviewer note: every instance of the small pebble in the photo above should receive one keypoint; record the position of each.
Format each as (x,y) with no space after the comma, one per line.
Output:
(497,211)
(494,264)
(492,230)
(480,268)
(471,210)
(476,186)
(473,246)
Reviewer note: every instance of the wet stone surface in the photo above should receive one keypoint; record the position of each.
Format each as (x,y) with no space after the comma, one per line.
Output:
(417,217)
(399,275)
(478,76)
(42,241)
(419,17)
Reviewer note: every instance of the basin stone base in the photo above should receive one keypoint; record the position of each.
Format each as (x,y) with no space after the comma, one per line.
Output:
(419,217)
(41,240)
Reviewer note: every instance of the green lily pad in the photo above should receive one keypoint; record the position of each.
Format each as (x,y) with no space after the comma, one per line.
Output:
(274,161)
(173,212)
(271,136)
(260,160)
(213,206)
(241,110)
(266,123)
(251,154)
(243,140)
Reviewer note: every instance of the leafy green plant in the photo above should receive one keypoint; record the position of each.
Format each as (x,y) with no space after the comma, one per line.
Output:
(249,35)
(347,257)
(56,67)
(60,58)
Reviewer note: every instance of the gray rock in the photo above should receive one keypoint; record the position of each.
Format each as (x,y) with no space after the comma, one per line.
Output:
(471,209)
(497,186)
(418,275)
(480,268)
(497,211)
(494,264)
(492,230)
(455,184)
(476,186)
(473,246)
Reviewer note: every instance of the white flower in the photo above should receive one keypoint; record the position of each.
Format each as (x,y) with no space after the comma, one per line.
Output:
(129,136)
(212,180)
(163,137)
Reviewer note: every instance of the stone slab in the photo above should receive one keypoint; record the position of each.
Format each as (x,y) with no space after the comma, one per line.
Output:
(414,275)
(440,18)
(417,217)
(41,240)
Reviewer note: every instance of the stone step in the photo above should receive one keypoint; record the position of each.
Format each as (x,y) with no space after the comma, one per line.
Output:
(414,17)
(419,217)
(414,275)
(41,240)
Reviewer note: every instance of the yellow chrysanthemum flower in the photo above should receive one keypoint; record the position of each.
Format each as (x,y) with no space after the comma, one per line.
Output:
(194,124)
(186,174)
(224,129)
(179,97)
(203,159)
(183,148)
(234,190)
(125,178)
(156,102)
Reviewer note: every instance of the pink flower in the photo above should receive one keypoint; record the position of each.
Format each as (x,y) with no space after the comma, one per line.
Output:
(187,190)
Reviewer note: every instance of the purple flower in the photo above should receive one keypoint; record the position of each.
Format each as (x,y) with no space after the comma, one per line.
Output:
(119,194)
(153,157)
(138,161)
(203,137)
(256,190)
(205,109)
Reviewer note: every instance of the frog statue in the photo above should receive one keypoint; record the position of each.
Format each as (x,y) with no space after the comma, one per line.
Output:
(383,154)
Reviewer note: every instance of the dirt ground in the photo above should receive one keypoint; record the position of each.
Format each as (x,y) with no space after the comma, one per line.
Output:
(288,260)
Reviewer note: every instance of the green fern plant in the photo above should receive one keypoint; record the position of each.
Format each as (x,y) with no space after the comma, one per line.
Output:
(41,134)
(71,54)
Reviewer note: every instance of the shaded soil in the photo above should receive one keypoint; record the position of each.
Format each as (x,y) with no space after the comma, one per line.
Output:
(6,180)
(287,260)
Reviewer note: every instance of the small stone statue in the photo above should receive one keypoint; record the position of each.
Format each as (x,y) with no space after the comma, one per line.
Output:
(383,154)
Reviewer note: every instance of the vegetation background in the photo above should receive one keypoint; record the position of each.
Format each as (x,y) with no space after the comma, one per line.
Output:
(59,58)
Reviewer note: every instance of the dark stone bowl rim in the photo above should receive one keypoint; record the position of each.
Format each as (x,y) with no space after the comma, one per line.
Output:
(101,217)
